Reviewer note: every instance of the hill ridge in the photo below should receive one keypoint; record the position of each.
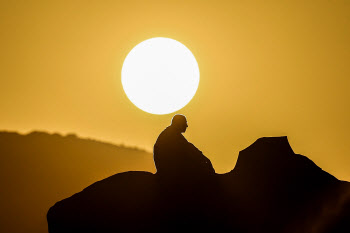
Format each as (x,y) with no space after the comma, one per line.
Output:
(72,136)
(39,168)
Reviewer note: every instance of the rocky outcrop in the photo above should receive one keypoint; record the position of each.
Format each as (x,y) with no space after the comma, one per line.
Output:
(271,189)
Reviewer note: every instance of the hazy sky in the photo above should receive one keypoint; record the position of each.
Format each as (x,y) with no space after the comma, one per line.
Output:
(268,68)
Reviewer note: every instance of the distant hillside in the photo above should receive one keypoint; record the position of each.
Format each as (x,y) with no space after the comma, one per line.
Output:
(38,169)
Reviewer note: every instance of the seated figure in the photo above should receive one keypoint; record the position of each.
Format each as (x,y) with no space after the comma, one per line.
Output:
(175,156)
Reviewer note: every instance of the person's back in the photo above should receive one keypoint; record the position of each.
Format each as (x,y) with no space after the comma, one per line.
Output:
(175,156)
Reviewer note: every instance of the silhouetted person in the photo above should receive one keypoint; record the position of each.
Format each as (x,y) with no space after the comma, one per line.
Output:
(174,155)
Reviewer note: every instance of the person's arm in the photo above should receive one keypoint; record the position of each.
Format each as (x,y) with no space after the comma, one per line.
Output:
(201,157)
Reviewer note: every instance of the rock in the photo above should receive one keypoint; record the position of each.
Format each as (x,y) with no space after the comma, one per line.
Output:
(271,189)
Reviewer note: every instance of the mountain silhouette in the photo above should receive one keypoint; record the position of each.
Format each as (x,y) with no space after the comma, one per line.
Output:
(38,168)
(271,189)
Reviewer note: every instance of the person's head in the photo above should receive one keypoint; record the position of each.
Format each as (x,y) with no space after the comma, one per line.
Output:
(179,122)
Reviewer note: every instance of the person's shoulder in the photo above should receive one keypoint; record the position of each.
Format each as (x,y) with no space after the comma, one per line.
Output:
(183,138)
(164,133)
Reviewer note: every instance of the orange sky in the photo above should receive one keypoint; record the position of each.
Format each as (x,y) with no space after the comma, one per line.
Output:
(268,68)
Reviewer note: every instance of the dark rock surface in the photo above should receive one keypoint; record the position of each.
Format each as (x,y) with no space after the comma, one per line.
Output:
(271,189)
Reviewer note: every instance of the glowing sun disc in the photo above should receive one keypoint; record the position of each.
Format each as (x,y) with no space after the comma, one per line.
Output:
(160,75)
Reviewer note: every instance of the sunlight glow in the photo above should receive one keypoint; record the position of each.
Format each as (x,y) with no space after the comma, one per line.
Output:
(160,75)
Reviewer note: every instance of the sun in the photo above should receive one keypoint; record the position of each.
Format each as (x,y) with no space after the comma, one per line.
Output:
(160,75)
